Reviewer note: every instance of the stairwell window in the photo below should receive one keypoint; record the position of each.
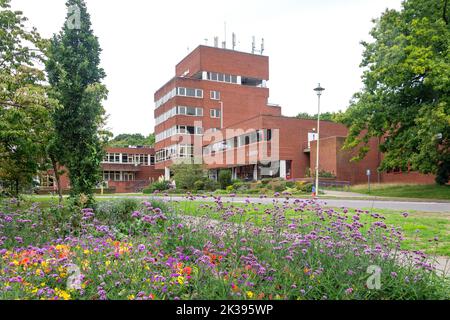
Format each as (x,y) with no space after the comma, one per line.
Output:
(215,113)
(215,95)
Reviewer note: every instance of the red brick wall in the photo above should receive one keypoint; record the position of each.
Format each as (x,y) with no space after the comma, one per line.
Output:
(237,63)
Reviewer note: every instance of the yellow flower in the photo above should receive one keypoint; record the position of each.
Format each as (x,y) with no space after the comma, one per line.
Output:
(131,297)
(62,294)
(86,251)
(180,280)
(107,263)
(250,294)
(38,272)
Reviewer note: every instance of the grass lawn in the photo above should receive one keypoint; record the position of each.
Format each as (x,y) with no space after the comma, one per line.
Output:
(420,228)
(405,191)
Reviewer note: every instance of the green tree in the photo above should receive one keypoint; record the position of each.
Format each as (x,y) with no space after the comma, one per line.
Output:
(124,140)
(75,75)
(405,102)
(24,104)
(185,175)
(326,116)
(225,178)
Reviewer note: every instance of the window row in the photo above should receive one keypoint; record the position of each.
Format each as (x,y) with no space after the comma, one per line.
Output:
(180,91)
(220,77)
(239,141)
(118,176)
(174,152)
(140,159)
(178,130)
(180,110)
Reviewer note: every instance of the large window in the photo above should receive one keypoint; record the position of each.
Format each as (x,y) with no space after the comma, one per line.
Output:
(180,110)
(178,130)
(220,77)
(174,152)
(183,92)
(118,176)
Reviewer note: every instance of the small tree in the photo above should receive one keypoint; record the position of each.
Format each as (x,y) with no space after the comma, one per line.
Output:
(225,178)
(185,175)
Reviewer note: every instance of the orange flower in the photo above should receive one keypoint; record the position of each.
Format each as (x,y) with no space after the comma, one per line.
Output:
(187,271)
(24,261)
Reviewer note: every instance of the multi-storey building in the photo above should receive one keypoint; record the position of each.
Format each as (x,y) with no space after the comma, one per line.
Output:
(216,111)
(124,170)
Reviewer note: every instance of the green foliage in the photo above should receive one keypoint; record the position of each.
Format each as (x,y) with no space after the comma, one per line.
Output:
(326,116)
(137,139)
(75,76)
(406,97)
(224,178)
(24,104)
(185,175)
(157,186)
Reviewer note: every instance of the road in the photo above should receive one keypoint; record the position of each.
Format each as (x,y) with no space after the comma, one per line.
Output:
(436,207)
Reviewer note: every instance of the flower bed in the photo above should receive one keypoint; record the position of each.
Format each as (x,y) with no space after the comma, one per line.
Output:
(155,251)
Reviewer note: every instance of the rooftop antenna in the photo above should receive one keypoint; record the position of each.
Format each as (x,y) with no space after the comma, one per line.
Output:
(262,46)
(216,42)
(206,41)
(234,41)
(225,42)
(253,45)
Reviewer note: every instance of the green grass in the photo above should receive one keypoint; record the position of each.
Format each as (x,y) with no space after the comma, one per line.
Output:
(405,191)
(419,228)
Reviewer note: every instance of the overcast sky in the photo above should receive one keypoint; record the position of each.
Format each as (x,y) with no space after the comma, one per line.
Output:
(308,41)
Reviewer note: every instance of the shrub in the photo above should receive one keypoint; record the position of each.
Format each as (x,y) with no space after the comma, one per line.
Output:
(266,181)
(157,186)
(290,184)
(224,178)
(199,185)
(211,185)
(185,175)
(307,187)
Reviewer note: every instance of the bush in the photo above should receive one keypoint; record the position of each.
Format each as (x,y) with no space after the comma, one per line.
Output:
(185,175)
(211,185)
(199,185)
(307,187)
(266,181)
(224,178)
(290,184)
(157,186)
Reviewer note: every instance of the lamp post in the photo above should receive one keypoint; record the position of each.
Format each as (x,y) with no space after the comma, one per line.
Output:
(319,90)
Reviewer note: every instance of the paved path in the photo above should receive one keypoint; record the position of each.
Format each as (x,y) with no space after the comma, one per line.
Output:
(438,207)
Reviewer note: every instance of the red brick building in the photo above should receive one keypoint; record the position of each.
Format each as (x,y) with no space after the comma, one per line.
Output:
(124,170)
(215,111)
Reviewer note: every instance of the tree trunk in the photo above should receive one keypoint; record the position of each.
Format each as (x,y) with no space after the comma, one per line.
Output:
(58,178)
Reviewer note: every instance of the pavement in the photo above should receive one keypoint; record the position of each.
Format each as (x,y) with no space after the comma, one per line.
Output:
(397,205)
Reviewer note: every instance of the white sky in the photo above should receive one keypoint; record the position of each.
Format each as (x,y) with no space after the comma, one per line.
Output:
(307,41)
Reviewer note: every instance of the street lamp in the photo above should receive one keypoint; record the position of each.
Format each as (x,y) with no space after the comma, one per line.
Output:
(319,90)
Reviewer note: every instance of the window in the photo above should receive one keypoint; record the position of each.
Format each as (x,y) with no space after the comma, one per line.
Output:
(215,95)
(220,77)
(47,181)
(124,158)
(190,92)
(215,113)
(152,160)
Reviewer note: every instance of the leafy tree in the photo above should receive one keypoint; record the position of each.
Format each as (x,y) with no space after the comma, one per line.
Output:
(24,104)
(75,75)
(137,139)
(405,102)
(326,116)
(225,178)
(185,175)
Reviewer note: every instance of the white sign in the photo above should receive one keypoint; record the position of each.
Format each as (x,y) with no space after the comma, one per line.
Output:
(369,173)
